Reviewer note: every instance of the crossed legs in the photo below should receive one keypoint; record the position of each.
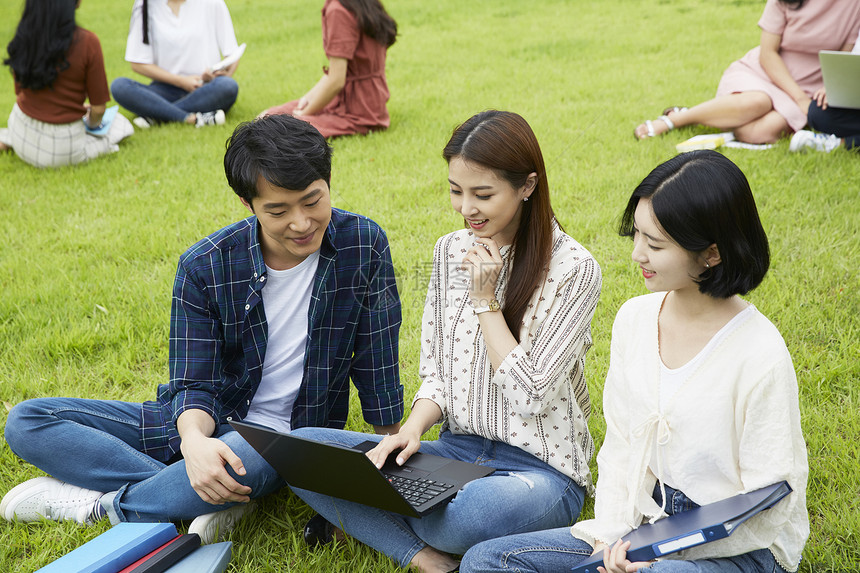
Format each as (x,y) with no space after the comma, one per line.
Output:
(96,444)
(750,115)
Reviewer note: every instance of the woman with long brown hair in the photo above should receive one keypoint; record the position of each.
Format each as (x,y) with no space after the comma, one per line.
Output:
(351,95)
(505,330)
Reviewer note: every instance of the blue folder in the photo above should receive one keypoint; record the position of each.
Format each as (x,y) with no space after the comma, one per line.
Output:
(694,527)
(107,119)
(115,549)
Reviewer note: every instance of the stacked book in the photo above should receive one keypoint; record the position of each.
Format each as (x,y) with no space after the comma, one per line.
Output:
(143,548)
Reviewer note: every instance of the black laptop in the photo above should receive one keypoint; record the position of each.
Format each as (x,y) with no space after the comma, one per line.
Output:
(416,488)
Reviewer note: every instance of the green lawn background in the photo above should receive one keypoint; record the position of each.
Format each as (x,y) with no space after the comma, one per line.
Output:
(87,254)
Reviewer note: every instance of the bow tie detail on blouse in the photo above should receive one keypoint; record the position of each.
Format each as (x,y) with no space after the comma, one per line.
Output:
(654,430)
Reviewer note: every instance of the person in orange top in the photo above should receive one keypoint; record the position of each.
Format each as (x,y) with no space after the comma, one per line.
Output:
(351,95)
(57,67)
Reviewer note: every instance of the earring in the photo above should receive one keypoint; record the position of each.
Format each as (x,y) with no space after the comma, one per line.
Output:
(707,265)
(525,199)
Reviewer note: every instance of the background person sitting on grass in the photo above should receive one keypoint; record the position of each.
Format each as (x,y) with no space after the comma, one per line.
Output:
(766,94)
(271,318)
(175,43)
(57,67)
(350,96)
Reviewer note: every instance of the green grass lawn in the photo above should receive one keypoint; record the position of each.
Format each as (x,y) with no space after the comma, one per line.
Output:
(87,254)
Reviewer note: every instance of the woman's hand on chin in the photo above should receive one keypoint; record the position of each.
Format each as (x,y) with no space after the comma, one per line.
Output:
(484,264)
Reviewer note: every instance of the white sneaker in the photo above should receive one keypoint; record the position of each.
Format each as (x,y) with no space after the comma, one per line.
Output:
(49,498)
(804,139)
(213,527)
(211,118)
(141,122)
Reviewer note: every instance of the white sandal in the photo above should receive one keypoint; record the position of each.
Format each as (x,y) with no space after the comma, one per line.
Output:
(649,125)
(674,109)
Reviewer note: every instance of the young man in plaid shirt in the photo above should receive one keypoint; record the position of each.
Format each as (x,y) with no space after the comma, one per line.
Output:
(271,317)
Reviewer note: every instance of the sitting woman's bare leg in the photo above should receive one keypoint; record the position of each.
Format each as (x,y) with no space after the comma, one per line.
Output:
(766,129)
(723,112)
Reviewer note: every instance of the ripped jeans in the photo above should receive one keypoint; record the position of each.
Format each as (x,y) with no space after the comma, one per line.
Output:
(523,494)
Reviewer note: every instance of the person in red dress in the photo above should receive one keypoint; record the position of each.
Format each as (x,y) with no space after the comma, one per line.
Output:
(351,95)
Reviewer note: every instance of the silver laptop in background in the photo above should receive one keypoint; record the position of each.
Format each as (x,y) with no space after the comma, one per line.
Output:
(841,71)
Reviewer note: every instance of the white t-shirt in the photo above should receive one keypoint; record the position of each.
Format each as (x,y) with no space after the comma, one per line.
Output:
(286,301)
(187,44)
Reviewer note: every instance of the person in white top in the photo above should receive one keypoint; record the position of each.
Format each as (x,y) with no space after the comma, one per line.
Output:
(505,331)
(176,44)
(701,398)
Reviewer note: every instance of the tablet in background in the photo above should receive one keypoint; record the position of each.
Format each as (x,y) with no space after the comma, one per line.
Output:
(231,59)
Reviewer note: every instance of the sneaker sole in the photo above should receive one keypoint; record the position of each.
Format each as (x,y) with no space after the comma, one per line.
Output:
(203,525)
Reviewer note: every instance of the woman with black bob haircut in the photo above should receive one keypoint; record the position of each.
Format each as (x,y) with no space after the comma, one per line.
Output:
(701,199)
(701,398)
(59,75)
(505,330)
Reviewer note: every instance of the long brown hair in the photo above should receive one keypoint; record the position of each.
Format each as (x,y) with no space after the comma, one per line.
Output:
(373,20)
(504,142)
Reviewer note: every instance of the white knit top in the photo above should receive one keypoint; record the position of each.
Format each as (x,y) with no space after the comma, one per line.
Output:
(733,426)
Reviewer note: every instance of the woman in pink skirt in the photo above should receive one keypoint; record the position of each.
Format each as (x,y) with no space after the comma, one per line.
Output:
(766,94)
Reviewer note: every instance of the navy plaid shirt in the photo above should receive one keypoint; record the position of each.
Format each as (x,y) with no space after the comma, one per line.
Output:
(218,332)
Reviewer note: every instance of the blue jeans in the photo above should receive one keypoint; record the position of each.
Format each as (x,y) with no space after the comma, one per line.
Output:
(96,444)
(523,494)
(558,550)
(164,102)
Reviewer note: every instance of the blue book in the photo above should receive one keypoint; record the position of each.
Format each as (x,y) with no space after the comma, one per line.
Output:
(113,550)
(694,527)
(107,119)
(212,558)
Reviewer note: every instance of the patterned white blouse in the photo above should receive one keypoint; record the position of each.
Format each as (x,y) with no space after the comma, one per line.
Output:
(537,400)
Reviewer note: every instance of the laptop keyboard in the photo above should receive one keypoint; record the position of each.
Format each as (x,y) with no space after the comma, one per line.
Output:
(418,490)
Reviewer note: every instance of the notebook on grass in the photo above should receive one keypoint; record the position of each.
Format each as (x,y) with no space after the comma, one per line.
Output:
(212,558)
(169,554)
(694,527)
(107,120)
(418,487)
(118,547)
(841,71)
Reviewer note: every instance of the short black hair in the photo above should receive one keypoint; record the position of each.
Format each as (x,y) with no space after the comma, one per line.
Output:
(700,198)
(284,150)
